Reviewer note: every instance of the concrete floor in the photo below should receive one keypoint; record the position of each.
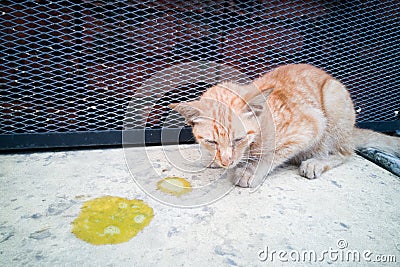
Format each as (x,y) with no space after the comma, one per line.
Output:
(353,208)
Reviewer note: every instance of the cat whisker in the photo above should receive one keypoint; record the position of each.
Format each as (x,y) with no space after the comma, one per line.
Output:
(244,160)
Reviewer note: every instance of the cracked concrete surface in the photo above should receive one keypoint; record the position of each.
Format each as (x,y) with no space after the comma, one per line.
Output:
(41,194)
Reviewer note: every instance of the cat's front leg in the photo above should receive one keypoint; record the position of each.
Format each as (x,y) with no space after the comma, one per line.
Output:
(251,174)
(243,175)
(234,174)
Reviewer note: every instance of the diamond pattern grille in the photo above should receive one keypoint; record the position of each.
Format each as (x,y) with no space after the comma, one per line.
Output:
(73,66)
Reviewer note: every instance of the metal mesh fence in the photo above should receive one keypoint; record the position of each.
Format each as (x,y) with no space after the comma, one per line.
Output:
(73,66)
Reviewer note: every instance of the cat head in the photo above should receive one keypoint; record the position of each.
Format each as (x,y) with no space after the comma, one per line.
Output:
(223,122)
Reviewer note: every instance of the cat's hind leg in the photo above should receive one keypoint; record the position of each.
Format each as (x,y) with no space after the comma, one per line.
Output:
(313,168)
(336,145)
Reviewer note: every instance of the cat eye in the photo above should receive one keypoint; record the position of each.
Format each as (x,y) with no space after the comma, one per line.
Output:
(238,140)
(211,142)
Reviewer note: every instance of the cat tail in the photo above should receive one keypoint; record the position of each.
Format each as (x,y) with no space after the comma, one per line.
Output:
(369,139)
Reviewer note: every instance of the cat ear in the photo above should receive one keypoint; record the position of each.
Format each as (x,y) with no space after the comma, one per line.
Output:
(257,104)
(189,110)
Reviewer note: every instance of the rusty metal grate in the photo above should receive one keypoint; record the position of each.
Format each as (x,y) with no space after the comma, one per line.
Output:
(70,68)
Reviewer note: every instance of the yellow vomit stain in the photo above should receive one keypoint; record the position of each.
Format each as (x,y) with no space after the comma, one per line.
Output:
(111,220)
(174,186)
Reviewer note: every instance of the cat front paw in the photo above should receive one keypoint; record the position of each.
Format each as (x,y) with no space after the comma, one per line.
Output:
(238,177)
(244,181)
(312,168)
(244,178)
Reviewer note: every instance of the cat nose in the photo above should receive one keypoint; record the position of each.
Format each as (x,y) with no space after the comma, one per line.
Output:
(225,162)
(225,157)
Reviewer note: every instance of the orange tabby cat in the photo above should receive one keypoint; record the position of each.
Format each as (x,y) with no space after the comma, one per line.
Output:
(295,113)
